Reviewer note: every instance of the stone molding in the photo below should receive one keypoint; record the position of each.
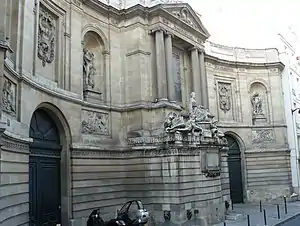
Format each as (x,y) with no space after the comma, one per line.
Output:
(248,65)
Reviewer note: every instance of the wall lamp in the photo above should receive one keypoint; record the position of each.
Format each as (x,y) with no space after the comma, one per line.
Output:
(296,109)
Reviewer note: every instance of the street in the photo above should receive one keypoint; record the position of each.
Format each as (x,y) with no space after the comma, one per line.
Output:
(294,222)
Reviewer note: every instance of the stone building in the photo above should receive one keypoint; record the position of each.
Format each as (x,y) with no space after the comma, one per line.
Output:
(100,105)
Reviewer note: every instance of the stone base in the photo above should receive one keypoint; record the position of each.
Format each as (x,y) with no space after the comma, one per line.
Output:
(93,96)
(259,119)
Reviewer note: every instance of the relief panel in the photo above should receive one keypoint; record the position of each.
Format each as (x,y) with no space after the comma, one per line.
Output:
(9,97)
(263,136)
(95,123)
(46,37)
(224,96)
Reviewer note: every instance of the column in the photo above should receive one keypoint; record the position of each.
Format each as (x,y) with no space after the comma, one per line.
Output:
(161,65)
(3,21)
(196,75)
(169,67)
(203,79)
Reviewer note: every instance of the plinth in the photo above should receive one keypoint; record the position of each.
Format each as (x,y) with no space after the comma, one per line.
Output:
(259,119)
(93,96)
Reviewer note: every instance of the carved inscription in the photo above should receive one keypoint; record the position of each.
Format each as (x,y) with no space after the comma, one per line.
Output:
(224,96)
(8,97)
(46,37)
(96,123)
(260,136)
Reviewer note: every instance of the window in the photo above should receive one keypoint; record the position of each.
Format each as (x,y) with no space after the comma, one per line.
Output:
(177,76)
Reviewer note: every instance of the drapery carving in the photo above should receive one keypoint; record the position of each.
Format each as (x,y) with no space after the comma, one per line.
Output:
(88,68)
(198,121)
(46,37)
(256,101)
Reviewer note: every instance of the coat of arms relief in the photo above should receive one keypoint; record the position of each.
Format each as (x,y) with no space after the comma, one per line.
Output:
(46,37)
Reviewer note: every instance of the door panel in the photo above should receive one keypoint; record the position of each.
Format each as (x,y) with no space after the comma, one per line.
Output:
(235,178)
(44,172)
(235,171)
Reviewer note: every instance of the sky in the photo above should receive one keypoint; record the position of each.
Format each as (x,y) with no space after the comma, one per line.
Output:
(248,24)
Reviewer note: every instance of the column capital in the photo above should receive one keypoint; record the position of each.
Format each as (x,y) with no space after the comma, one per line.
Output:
(157,29)
(169,33)
(194,48)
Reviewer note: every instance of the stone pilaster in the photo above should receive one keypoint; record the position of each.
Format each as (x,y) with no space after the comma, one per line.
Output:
(3,20)
(161,64)
(196,75)
(169,67)
(203,80)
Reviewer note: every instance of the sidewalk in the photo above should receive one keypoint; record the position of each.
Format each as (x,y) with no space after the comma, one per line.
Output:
(257,217)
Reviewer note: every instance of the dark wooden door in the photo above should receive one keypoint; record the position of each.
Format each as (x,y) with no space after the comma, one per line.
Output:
(235,171)
(44,171)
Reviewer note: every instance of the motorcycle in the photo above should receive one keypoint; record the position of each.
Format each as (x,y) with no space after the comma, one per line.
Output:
(131,214)
(95,220)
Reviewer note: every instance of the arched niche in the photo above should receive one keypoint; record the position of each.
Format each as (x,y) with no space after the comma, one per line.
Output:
(94,67)
(259,102)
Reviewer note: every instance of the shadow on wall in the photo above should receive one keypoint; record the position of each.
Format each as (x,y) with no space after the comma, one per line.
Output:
(191,220)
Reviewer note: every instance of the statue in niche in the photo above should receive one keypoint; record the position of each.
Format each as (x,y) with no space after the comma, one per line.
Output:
(88,69)
(257,104)
(46,37)
(8,97)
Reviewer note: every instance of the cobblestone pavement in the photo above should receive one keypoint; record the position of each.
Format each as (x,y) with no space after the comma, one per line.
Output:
(257,217)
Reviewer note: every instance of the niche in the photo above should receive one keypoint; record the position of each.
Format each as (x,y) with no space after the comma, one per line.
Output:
(259,103)
(93,69)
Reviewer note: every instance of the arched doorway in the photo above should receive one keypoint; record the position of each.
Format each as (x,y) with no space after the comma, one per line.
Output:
(235,170)
(44,171)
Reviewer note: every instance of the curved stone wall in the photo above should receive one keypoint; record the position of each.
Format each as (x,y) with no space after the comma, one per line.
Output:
(245,93)
(102,76)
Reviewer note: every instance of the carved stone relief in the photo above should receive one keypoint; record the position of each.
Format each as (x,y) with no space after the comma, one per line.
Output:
(183,15)
(264,135)
(88,69)
(96,123)
(46,37)
(9,97)
(224,96)
(199,122)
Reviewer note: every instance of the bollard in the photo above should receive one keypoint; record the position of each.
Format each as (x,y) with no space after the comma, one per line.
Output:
(224,223)
(285,206)
(278,212)
(260,206)
(248,219)
(265,217)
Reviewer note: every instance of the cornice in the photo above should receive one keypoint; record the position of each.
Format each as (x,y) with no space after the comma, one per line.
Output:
(235,64)
(146,13)
(76,98)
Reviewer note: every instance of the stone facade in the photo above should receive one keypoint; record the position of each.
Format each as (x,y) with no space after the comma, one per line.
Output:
(109,79)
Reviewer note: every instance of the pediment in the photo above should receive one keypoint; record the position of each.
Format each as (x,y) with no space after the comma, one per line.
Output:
(185,13)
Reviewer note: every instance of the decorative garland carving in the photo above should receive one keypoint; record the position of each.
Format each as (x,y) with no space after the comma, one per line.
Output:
(224,96)
(46,37)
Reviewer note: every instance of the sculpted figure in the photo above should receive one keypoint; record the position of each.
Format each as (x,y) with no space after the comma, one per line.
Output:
(8,97)
(256,103)
(88,68)
(192,102)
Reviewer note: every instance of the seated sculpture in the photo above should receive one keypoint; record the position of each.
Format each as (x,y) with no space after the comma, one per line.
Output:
(197,117)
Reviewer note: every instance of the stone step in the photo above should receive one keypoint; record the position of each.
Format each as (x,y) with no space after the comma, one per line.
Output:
(234,216)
